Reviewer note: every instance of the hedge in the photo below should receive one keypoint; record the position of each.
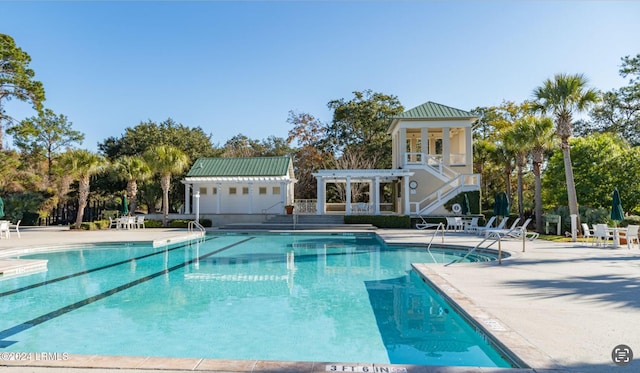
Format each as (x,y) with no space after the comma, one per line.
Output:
(380,221)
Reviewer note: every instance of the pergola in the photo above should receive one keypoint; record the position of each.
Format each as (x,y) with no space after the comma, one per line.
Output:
(373,177)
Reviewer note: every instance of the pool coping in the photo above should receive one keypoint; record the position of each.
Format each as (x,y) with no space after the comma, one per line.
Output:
(518,348)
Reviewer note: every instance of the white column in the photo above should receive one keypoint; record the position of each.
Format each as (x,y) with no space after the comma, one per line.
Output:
(446,147)
(187,199)
(407,207)
(347,208)
(320,193)
(403,147)
(468,138)
(376,196)
(250,208)
(218,197)
(424,142)
(283,195)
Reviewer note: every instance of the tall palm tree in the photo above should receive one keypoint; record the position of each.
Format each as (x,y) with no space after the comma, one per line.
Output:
(132,169)
(562,96)
(518,145)
(166,161)
(539,130)
(81,164)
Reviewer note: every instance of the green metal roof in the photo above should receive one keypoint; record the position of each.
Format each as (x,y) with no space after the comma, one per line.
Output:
(255,166)
(432,110)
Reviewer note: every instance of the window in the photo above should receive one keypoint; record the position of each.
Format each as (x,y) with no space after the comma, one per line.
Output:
(203,191)
(262,190)
(215,190)
(275,190)
(232,190)
(245,190)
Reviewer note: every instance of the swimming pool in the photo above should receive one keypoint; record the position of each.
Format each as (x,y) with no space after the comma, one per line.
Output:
(308,297)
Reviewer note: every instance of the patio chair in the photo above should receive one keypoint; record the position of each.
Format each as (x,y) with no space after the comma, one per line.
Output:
(587,233)
(140,222)
(471,225)
(113,223)
(631,235)
(15,227)
(4,229)
(601,234)
(454,223)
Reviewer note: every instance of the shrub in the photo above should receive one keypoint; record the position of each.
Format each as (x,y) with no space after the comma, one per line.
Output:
(380,221)
(88,226)
(179,223)
(152,223)
(207,223)
(102,224)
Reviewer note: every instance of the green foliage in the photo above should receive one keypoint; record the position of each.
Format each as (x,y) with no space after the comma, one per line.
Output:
(207,223)
(42,137)
(101,224)
(241,146)
(595,165)
(137,140)
(23,206)
(380,221)
(16,79)
(361,124)
(179,223)
(152,223)
(88,226)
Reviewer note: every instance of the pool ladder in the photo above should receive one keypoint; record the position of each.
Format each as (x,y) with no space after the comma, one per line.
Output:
(193,225)
(493,237)
(440,228)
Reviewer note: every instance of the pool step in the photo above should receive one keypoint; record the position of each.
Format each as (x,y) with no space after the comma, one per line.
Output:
(21,267)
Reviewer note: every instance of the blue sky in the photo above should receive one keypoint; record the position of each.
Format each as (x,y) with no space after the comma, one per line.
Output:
(240,67)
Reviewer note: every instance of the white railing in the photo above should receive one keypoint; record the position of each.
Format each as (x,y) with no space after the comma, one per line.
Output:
(493,237)
(306,206)
(446,192)
(434,161)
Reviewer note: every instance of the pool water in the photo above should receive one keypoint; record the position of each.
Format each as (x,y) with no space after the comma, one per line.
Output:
(340,298)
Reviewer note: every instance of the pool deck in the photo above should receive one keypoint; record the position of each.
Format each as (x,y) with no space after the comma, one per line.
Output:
(561,307)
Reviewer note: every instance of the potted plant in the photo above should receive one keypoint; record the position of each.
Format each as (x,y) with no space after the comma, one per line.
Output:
(289,209)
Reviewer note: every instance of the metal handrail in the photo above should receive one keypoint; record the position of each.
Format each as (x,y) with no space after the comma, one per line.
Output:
(496,238)
(194,224)
(440,225)
(264,211)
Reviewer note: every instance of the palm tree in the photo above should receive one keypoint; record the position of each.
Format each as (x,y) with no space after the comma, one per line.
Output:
(539,130)
(82,164)
(562,96)
(518,145)
(132,169)
(166,161)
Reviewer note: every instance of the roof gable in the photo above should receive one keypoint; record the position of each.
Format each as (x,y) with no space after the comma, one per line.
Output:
(248,167)
(432,110)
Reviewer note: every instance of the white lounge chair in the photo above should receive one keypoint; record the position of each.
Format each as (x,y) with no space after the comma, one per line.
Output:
(489,224)
(471,225)
(15,227)
(4,229)
(503,222)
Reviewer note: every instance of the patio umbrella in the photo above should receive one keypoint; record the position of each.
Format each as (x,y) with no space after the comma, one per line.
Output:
(616,206)
(504,204)
(1,207)
(124,210)
(466,206)
(496,204)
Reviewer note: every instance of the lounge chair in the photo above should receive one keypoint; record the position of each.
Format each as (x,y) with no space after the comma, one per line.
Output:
(515,231)
(4,229)
(471,225)
(15,227)
(481,230)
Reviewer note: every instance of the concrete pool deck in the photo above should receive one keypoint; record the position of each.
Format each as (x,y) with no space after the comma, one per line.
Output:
(561,307)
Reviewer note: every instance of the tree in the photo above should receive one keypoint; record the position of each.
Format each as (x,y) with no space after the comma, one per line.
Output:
(16,79)
(594,165)
(241,146)
(308,132)
(562,96)
(518,145)
(44,136)
(137,140)
(539,134)
(166,160)
(82,164)
(132,169)
(619,111)
(361,124)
